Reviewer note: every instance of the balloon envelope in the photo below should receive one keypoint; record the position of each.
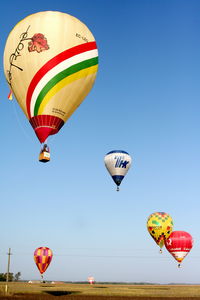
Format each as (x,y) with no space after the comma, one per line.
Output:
(179,244)
(117,163)
(160,226)
(42,258)
(91,279)
(50,63)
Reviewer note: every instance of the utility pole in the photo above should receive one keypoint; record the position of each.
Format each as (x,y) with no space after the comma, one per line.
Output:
(8,269)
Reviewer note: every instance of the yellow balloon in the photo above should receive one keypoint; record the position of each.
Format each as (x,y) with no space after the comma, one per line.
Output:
(160,226)
(50,63)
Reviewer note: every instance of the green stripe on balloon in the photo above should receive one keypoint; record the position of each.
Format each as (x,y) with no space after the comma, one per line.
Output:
(60,76)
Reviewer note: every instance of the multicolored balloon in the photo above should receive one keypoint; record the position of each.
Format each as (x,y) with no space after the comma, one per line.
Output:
(160,226)
(42,258)
(50,63)
(179,244)
(117,163)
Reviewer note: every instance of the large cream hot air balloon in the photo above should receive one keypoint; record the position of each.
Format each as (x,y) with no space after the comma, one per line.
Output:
(50,63)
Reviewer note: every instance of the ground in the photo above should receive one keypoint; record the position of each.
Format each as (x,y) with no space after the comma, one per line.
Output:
(62,291)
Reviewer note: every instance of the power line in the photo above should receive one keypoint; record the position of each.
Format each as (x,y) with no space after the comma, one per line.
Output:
(159,256)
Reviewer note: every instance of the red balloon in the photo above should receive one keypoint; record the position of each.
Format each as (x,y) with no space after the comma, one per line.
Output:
(179,244)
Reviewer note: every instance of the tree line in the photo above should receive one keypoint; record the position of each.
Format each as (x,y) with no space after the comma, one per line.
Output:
(11,276)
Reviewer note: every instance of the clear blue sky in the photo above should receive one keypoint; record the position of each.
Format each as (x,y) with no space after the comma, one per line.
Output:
(145,101)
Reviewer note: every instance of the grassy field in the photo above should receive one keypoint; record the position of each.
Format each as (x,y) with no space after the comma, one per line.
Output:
(98,291)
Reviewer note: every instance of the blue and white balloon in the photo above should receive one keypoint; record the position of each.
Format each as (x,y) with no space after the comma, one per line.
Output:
(117,163)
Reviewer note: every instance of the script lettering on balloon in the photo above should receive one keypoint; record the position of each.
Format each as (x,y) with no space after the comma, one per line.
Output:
(38,43)
(16,54)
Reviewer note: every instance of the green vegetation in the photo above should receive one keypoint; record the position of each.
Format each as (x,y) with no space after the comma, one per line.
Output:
(11,276)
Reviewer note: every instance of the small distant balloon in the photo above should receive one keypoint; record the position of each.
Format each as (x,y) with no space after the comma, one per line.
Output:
(42,258)
(160,226)
(117,163)
(179,244)
(91,280)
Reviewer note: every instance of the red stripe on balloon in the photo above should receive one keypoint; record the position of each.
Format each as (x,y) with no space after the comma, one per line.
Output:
(52,63)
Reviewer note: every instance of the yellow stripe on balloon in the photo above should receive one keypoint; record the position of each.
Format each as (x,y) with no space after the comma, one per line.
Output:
(63,83)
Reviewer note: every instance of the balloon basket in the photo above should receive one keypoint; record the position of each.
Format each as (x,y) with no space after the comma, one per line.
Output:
(117,189)
(44,157)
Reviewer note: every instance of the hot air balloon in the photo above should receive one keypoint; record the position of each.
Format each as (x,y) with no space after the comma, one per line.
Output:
(179,244)
(160,226)
(50,64)
(117,163)
(42,258)
(91,280)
